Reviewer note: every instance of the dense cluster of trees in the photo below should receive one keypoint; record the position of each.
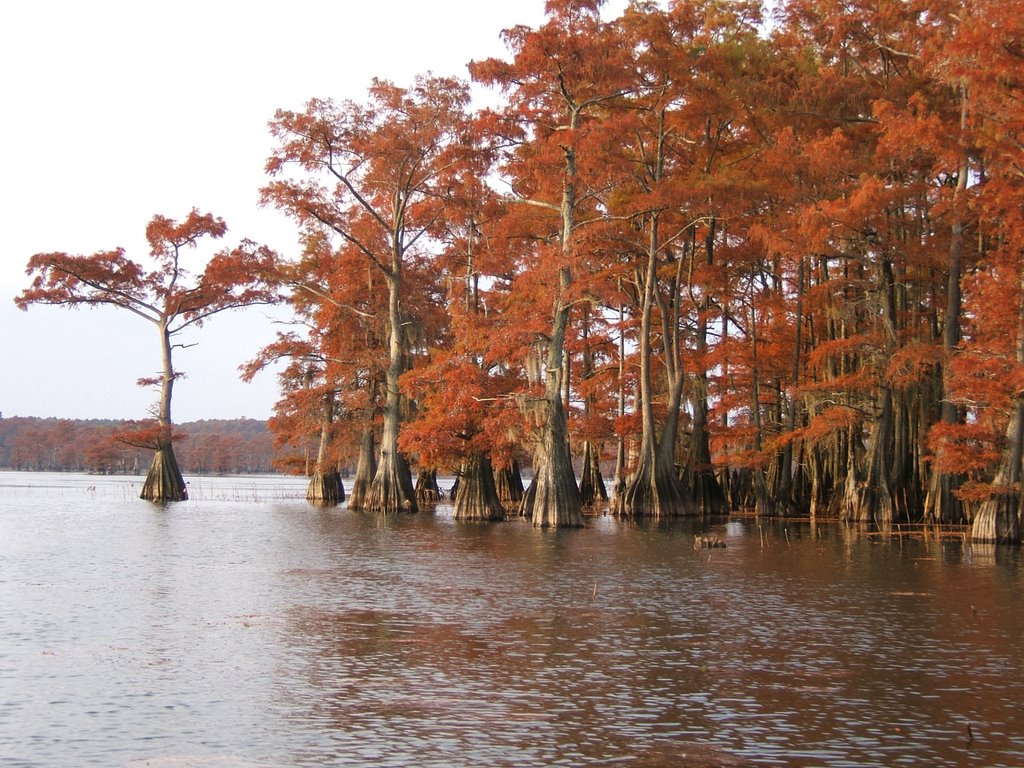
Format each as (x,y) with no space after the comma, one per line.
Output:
(217,446)
(771,266)
(757,265)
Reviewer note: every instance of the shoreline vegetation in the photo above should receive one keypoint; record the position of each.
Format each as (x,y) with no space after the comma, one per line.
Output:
(95,446)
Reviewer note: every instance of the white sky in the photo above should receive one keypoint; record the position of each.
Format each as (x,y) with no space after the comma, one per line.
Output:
(114,110)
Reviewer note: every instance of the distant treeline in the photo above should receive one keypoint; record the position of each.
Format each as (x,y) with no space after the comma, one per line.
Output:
(216,446)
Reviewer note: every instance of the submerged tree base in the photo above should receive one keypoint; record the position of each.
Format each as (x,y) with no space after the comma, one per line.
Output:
(654,490)
(508,482)
(366,468)
(326,488)
(164,481)
(592,488)
(477,498)
(703,487)
(553,499)
(391,491)
(427,489)
(998,520)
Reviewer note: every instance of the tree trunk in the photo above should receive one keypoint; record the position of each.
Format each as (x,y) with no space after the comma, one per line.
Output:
(392,490)
(870,500)
(619,481)
(325,486)
(554,498)
(941,503)
(164,481)
(592,489)
(366,468)
(654,488)
(699,476)
(999,517)
(555,501)
(526,505)
(477,498)
(509,484)
(427,489)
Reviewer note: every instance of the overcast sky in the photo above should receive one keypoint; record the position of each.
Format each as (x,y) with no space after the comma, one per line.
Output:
(115,110)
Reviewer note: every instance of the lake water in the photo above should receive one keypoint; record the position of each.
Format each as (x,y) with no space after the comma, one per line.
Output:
(246,628)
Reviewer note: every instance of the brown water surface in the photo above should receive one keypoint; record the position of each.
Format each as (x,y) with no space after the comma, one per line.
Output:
(245,628)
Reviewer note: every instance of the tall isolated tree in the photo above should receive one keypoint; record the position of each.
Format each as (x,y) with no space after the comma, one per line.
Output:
(374,176)
(165,293)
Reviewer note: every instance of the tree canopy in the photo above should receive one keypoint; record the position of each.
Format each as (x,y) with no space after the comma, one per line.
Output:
(737,262)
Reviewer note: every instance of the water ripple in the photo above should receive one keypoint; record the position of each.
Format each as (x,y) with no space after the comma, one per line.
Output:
(231,632)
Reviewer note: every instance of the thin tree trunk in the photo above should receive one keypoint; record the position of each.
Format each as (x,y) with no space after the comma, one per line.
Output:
(654,488)
(699,476)
(592,488)
(164,481)
(619,481)
(325,486)
(555,500)
(366,469)
(942,504)
(508,482)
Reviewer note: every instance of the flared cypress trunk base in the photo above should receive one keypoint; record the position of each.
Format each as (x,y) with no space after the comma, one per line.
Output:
(870,505)
(654,490)
(998,520)
(941,505)
(703,487)
(164,481)
(427,489)
(742,494)
(477,497)
(366,468)
(392,492)
(592,489)
(508,482)
(553,499)
(326,488)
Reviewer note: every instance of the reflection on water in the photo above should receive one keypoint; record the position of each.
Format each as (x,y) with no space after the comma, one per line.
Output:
(245,628)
